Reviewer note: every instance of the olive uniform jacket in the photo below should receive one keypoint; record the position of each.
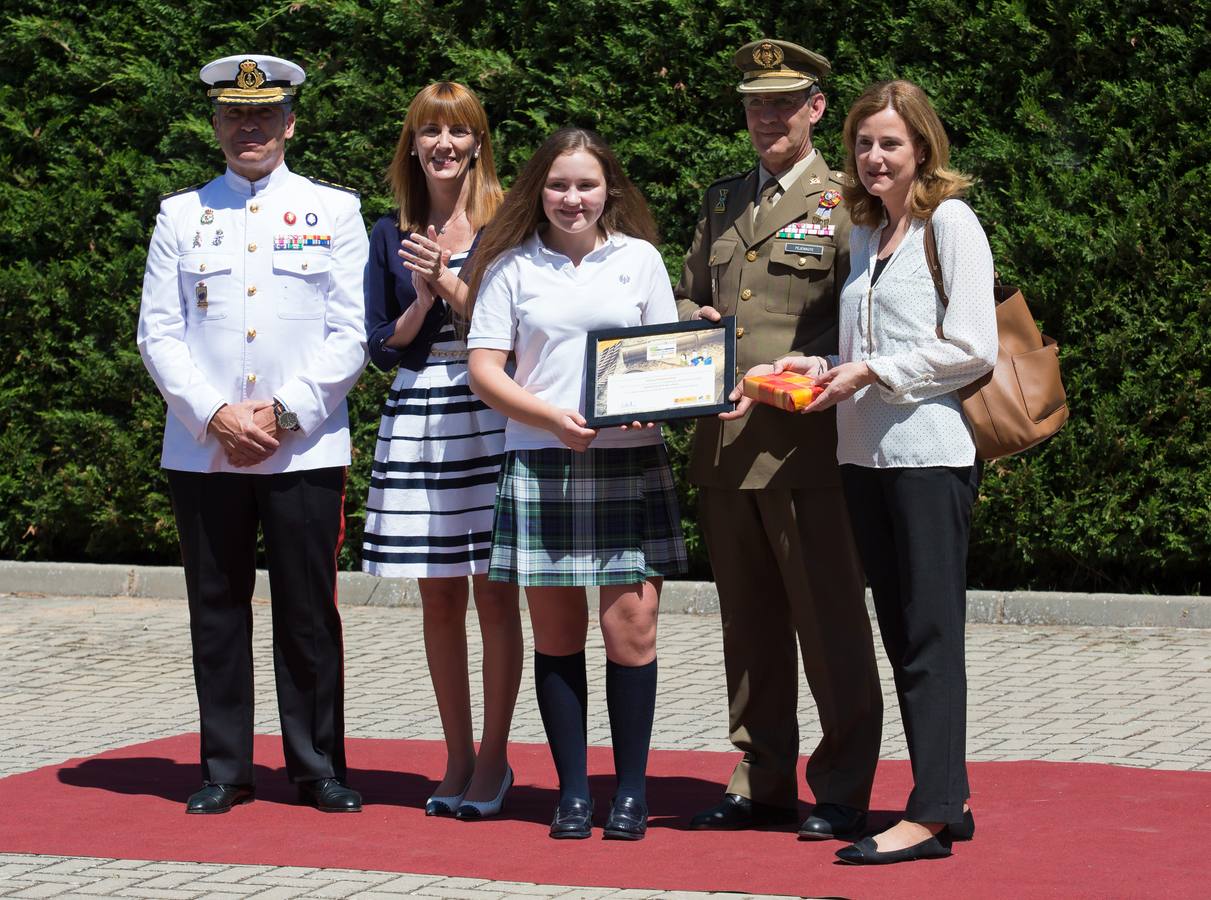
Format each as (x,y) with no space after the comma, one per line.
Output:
(784,294)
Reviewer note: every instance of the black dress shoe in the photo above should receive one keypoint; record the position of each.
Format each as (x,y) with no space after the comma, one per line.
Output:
(865,853)
(832,820)
(330,795)
(964,830)
(734,813)
(218,798)
(628,820)
(573,819)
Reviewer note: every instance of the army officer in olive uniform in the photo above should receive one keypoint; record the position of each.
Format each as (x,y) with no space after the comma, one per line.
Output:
(251,326)
(771,249)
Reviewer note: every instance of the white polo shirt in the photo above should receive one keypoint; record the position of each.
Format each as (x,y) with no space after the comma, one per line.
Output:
(535,302)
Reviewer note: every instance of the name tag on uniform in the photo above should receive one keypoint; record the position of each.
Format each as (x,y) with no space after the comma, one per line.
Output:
(806,249)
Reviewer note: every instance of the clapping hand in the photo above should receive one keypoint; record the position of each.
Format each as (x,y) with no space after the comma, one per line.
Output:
(423,255)
(425,297)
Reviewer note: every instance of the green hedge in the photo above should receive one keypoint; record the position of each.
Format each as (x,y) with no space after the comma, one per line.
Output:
(1087,125)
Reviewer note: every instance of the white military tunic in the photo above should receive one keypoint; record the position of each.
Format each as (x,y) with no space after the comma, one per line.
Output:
(253,290)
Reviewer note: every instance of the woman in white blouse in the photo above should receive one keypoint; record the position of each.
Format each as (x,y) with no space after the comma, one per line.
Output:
(907,457)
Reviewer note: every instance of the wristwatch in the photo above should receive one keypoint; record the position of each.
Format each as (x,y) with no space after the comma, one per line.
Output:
(287,421)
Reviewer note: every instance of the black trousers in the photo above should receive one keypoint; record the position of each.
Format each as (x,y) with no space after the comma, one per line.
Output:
(912,526)
(302,516)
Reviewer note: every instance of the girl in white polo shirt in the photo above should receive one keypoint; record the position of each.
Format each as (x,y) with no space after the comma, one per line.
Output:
(572,250)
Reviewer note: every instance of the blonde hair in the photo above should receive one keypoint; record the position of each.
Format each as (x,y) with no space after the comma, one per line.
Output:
(934,181)
(521,214)
(446,103)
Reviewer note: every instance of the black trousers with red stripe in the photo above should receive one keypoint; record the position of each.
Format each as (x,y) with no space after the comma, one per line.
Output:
(302,517)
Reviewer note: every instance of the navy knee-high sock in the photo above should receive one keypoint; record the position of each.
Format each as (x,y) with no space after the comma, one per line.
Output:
(563,701)
(631,697)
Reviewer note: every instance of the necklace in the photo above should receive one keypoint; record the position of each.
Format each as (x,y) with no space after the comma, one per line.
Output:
(451,220)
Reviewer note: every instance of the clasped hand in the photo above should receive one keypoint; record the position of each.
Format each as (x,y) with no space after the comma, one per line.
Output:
(246,431)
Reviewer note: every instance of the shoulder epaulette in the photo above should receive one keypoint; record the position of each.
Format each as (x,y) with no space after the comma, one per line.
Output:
(184,190)
(735,177)
(840,178)
(339,187)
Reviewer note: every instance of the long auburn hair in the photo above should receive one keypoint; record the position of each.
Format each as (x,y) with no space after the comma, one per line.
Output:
(446,103)
(934,182)
(521,214)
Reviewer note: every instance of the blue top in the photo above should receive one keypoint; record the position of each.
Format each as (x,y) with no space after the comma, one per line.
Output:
(388,292)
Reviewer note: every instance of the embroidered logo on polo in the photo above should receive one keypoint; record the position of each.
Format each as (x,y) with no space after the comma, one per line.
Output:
(301,241)
(799,230)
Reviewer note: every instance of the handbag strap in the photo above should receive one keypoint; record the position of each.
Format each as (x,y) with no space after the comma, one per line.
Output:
(932,261)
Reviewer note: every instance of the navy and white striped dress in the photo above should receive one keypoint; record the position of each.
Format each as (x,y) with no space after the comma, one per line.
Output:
(432,489)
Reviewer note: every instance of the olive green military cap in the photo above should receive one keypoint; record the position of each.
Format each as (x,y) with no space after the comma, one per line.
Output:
(768,66)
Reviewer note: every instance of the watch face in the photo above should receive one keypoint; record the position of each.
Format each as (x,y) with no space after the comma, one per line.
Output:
(288,420)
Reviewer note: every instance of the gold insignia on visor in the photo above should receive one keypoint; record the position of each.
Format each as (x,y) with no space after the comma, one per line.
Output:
(767,55)
(250,76)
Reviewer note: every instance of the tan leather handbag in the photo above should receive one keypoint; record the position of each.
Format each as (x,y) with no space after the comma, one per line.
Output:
(1021,401)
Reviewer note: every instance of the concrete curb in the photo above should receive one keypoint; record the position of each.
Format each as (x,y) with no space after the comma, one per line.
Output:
(690,597)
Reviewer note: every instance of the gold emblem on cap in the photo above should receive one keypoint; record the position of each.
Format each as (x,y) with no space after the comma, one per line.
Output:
(768,55)
(250,76)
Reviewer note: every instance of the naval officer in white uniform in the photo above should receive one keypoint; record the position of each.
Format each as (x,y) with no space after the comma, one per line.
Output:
(251,326)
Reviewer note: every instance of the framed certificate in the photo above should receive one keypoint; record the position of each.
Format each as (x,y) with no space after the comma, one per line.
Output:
(652,373)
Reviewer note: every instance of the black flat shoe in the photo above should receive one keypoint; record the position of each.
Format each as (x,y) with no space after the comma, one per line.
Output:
(573,820)
(330,795)
(734,813)
(865,853)
(964,830)
(218,798)
(832,820)
(628,820)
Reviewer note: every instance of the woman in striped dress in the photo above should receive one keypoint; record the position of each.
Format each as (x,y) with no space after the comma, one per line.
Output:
(429,513)
(572,250)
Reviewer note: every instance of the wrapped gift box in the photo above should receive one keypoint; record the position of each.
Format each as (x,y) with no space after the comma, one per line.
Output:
(789,391)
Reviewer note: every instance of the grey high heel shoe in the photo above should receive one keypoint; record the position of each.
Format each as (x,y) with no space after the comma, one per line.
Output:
(470,810)
(445,806)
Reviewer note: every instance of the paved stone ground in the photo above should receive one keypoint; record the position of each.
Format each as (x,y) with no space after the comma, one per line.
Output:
(82,675)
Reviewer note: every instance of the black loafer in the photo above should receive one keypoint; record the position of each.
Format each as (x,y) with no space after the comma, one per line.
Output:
(573,819)
(628,820)
(330,795)
(963,830)
(832,820)
(218,798)
(865,853)
(734,813)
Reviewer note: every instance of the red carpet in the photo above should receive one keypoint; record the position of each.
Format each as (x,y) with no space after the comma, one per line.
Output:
(1043,829)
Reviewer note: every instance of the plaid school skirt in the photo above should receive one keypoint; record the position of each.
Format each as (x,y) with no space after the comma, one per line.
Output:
(605,516)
